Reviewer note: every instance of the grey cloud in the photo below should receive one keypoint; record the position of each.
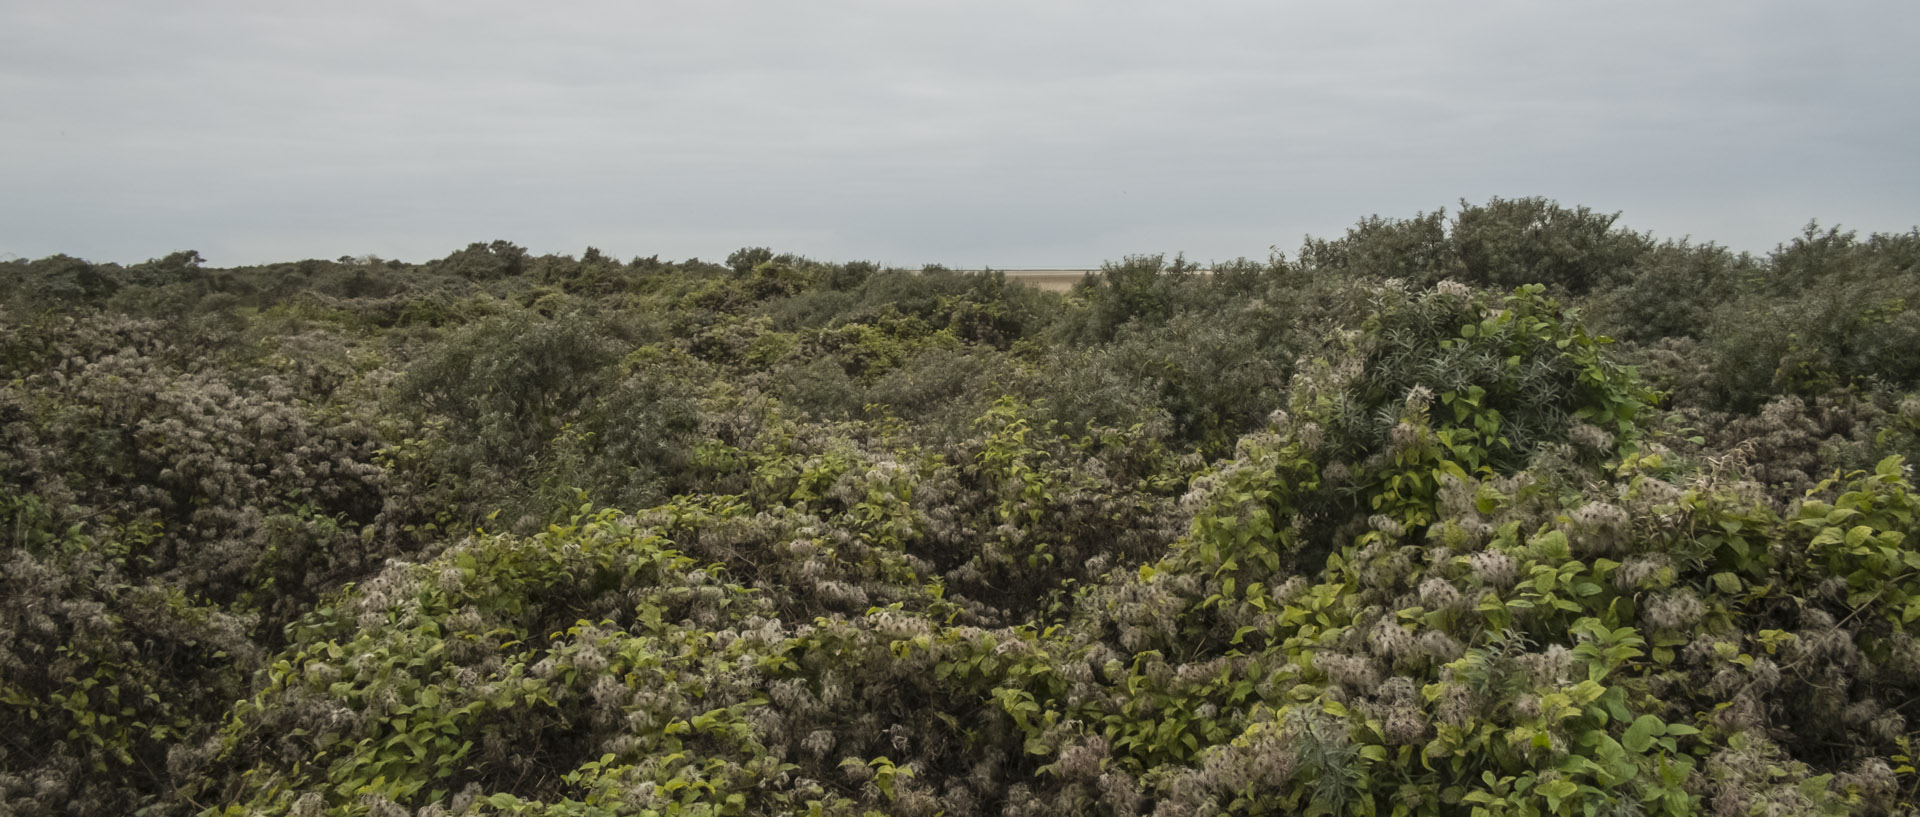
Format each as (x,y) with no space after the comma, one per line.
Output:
(1039,133)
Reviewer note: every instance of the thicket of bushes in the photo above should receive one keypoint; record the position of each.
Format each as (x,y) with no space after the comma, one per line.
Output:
(1508,511)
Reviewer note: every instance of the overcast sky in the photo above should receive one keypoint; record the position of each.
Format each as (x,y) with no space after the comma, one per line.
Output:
(968,133)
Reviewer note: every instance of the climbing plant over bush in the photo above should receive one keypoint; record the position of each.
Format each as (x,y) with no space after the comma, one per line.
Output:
(1392,529)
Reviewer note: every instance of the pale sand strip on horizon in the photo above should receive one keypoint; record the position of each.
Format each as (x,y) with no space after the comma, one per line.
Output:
(1051,280)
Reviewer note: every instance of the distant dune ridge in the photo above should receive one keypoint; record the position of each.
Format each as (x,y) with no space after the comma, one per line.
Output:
(1051,280)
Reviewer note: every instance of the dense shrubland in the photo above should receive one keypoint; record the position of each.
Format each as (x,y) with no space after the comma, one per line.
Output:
(1508,511)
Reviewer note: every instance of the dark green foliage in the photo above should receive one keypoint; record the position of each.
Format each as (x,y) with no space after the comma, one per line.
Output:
(743,260)
(1198,380)
(508,382)
(1516,374)
(63,278)
(1851,322)
(1387,531)
(1414,250)
(1825,312)
(519,411)
(1140,289)
(1672,292)
(176,268)
(1512,242)
(485,262)
(1502,244)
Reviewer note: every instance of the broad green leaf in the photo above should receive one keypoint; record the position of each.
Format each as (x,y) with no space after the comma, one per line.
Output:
(1639,736)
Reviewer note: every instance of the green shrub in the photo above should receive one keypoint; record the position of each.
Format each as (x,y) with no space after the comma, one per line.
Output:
(1386,531)
(1503,244)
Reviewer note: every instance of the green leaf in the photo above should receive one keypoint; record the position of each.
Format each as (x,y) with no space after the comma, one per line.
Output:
(1558,790)
(1858,535)
(1812,787)
(1586,692)
(1639,736)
